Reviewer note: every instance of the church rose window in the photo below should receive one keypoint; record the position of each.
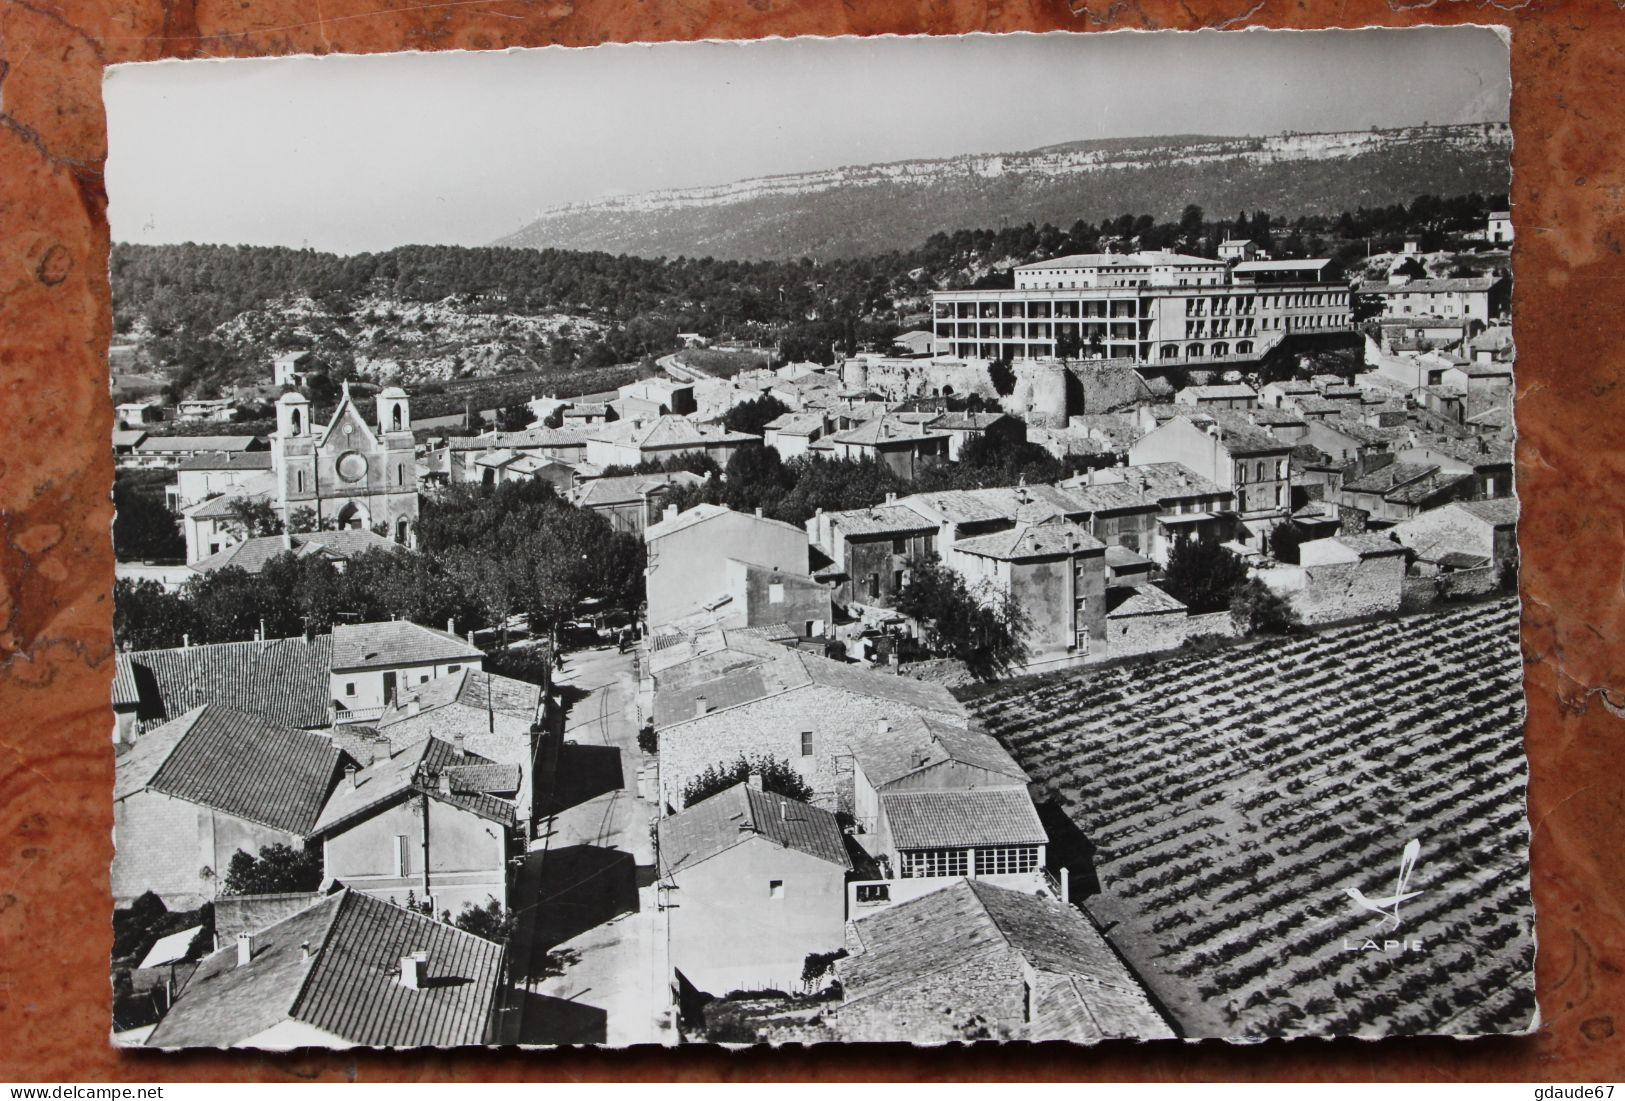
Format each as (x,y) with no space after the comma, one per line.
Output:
(352,466)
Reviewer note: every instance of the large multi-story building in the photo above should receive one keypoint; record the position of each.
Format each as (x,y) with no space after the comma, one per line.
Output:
(1144,307)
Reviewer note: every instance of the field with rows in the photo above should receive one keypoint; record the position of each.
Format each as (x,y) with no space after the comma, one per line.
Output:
(1226,800)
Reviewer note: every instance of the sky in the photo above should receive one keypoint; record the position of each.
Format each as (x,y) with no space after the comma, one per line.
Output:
(354,154)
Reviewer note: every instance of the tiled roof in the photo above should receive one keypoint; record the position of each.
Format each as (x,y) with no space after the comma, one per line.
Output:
(236,763)
(1385,479)
(125,693)
(395,642)
(285,679)
(1432,286)
(700,513)
(961,506)
(1025,541)
(715,825)
(469,687)
(602,492)
(197,443)
(1239,435)
(492,778)
(350,986)
(887,430)
(1221,390)
(881,520)
(1477,450)
(253,554)
(242,460)
(918,742)
(798,424)
(219,508)
(780,669)
(961,819)
(966,422)
(1133,600)
(1419,491)
(1083,992)
(415,768)
(665,431)
(1498,510)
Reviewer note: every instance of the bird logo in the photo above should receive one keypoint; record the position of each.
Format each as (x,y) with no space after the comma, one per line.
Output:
(1389,907)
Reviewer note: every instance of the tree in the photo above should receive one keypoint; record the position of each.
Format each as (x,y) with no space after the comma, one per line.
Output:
(490,921)
(277,869)
(146,616)
(753,416)
(1257,608)
(1203,575)
(984,628)
(755,478)
(253,517)
(513,418)
(1003,377)
(1285,538)
(777,776)
(143,527)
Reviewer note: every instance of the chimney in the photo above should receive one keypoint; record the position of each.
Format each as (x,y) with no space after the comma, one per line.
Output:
(451,625)
(755,780)
(443,782)
(353,774)
(415,971)
(186,640)
(304,950)
(891,498)
(758,512)
(457,743)
(671,512)
(413,706)
(245,948)
(701,706)
(883,726)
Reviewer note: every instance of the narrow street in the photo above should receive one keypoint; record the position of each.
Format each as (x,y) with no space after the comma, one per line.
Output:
(593,938)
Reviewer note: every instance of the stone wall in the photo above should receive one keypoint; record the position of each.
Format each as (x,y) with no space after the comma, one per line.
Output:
(235,914)
(1339,590)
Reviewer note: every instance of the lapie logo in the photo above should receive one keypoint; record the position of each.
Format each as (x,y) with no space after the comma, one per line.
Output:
(1388,905)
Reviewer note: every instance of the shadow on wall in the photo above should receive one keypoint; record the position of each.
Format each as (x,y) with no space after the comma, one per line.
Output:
(1071,849)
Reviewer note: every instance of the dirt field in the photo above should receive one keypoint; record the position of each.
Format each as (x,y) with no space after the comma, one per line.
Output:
(1227,801)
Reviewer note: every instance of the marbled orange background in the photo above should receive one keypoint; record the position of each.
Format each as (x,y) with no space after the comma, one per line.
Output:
(56,762)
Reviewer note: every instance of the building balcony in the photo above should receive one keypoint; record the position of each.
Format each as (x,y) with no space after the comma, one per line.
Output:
(343,716)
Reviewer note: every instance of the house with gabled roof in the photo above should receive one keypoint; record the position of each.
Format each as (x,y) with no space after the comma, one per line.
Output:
(349,971)
(752,882)
(337,547)
(924,753)
(1231,452)
(632,502)
(906,448)
(374,662)
(430,819)
(645,439)
(284,680)
(978,961)
(1464,534)
(495,717)
(771,700)
(190,793)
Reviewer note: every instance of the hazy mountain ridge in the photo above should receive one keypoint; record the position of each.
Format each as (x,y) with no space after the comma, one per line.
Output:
(865,209)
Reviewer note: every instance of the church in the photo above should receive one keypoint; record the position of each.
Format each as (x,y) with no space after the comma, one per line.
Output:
(346,474)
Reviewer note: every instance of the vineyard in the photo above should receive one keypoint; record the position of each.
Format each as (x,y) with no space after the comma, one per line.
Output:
(1230,798)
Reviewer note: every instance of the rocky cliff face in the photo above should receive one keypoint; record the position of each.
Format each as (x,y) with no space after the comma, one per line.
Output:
(873,208)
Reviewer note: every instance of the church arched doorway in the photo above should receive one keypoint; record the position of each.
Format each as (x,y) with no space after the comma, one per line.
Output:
(352,515)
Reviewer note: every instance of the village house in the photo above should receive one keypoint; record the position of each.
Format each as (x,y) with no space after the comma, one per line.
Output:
(191,793)
(501,466)
(286,681)
(1400,490)
(975,960)
(1464,535)
(168,451)
(1054,570)
(199,477)
(865,553)
(793,434)
(205,410)
(653,397)
(1000,429)
(1148,507)
(427,819)
(752,882)
(1232,454)
(734,568)
(373,662)
(632,502)
(137,414)
(349,971)
(587,414)
(904,447)
(765,699)
(653,439)
(1233,395)
(1488,460)
(337,547)
(498,718)
(924,753)
(990,832)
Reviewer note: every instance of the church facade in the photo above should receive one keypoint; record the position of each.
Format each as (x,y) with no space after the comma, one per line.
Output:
(350,474)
